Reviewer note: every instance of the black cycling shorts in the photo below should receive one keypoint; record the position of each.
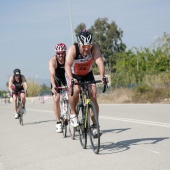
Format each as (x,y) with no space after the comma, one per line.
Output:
(88,77)
(19,90)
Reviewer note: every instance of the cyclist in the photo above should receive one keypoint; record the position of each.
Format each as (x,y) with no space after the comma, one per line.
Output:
(79,60)
(18,84)
(57,78)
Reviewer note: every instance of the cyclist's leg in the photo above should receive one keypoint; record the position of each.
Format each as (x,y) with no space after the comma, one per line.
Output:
(93,96)
(23,98)
(56,106)
(93,92)
(14,96)
(73,100)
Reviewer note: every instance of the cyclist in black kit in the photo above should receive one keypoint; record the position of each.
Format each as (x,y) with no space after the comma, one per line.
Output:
(18,85)
(57,78)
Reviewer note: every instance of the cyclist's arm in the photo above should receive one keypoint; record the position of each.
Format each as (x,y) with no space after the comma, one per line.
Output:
(24,82)
(52,67)
(10,84)
(71,53)
(99,60)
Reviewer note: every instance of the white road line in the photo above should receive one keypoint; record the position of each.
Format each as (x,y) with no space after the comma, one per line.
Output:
(37,110)
(136,121)
(119,119)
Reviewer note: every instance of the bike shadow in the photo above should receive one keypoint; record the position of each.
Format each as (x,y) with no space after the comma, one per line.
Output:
(111,147)
(39,122)
(115,130)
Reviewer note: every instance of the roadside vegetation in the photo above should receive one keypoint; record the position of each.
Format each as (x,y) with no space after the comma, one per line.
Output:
(138,75)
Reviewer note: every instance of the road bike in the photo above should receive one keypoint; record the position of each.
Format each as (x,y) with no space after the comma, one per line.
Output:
(65,110)
(87,116)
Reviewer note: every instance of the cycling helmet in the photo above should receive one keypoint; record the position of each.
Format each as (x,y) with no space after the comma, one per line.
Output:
(60,48)
(17,71)
(85,37)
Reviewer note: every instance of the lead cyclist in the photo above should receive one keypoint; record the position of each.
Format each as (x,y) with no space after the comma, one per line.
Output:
(78,67)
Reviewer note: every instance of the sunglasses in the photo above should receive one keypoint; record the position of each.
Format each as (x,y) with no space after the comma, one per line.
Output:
(60,53)
(86,46)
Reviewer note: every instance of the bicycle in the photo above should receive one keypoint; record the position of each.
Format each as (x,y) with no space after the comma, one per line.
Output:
(65,109)
(84,109)
(19,109)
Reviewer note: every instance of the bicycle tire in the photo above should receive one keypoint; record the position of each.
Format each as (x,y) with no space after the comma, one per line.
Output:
(94,139)
(63,126)
(21,119)
(82,130)
(20,113)
(64,121)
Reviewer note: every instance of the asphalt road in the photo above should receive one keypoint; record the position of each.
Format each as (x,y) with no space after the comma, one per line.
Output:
(135,137)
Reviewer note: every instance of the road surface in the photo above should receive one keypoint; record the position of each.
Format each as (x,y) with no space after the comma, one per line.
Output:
(135,137)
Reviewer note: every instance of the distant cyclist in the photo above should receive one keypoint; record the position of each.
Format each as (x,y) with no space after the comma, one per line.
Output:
(57,78)
(18,85)
(79,60)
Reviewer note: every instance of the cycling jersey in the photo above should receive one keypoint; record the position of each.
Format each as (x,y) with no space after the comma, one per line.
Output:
(59,71)
(59,75)
(81,66)
(17,86)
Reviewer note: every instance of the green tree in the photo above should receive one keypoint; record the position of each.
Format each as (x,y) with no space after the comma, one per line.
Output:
(44,87)
(109,38)
(79,28)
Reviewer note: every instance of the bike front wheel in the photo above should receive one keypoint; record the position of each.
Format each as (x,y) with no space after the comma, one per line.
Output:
(64,124)
(82,129)
(94,130)
(21,119)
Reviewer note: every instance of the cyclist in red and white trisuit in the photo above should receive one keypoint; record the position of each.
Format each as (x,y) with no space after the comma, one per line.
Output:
(78,66)
(18,85)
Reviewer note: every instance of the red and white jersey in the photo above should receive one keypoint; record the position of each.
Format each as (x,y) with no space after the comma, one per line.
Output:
(82,66)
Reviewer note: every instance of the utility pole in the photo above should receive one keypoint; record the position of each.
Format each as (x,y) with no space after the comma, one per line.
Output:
(71,26)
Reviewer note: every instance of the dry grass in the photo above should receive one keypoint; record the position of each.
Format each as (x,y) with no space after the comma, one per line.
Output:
(120,95)
(123,95)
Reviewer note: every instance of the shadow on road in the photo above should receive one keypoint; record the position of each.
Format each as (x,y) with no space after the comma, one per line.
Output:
(38,122)
(115,130)
(127,144)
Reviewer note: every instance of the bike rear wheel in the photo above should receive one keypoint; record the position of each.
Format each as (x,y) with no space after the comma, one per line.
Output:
(94,130)
(82,129)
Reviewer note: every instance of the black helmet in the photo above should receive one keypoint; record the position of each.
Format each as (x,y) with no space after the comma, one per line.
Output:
(85,37)
(17,71)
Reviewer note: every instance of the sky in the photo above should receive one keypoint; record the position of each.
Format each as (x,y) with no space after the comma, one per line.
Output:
(30,29)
